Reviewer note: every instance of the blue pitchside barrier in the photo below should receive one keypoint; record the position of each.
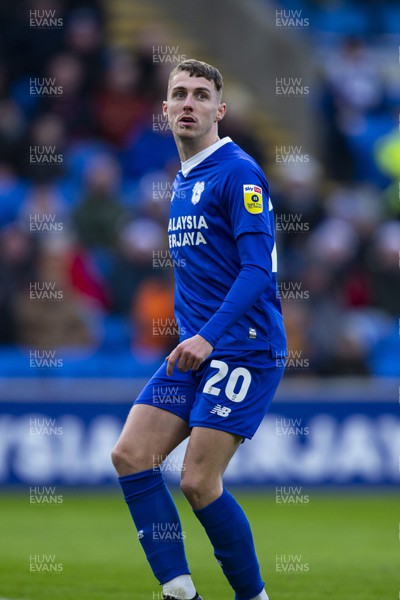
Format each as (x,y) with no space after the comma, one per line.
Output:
(322,432)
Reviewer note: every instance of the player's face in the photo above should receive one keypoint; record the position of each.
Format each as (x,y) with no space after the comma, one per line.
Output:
(193,107)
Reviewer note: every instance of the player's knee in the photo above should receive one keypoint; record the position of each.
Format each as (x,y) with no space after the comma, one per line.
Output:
(126,461)
(198,489)
(190,486)
(118,458)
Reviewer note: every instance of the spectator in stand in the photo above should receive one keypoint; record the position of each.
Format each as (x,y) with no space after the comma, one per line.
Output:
(71,103)
(43,211)
(28,45)
(298,204)
(152,314)
(119,107)
(17,263)
(354,88)
(100,214)
(12,134)
(12,194)
(356,205)
(84,39)
(384,266)
(140,244)
(44,153)
(53,322)
(387,156)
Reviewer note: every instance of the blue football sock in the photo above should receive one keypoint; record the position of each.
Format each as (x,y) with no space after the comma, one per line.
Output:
(229,531)
(157,522)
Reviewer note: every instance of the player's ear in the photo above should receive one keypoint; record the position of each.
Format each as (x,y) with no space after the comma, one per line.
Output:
(164,107)
(221,112)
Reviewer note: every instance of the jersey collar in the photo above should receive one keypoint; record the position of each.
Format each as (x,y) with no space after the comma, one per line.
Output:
(195,160)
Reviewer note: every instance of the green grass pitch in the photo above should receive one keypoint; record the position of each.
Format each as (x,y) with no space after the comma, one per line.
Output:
(348,544)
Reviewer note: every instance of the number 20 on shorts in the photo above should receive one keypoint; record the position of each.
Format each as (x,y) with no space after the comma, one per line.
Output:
(232,382)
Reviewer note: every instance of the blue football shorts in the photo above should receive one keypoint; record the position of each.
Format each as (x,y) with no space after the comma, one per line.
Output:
(228,392)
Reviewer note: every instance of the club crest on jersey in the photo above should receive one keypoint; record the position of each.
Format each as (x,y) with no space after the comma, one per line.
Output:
(198,189)
(253,199)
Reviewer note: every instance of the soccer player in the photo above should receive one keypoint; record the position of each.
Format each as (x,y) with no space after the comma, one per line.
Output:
(217,384)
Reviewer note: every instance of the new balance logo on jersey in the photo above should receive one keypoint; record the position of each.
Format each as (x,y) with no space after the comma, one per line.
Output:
(221,411)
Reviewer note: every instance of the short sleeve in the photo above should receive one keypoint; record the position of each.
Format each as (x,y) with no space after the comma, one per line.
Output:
(246,197)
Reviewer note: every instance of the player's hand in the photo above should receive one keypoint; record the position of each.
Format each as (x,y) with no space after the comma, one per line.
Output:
(190,353)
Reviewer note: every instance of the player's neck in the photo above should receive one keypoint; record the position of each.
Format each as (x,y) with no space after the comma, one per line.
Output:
(188,148)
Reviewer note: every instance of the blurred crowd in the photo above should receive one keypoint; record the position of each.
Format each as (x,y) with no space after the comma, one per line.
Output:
(342,254)
(86,170)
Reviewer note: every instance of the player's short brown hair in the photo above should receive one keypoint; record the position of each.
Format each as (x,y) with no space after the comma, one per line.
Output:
(198,68)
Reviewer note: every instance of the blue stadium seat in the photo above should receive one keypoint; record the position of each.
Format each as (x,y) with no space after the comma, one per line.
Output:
(14,363)
(384,358)
(345,20)
(12,196)
(116,334)
(390,18)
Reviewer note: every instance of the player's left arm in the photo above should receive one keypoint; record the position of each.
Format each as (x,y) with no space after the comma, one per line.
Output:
(255,252)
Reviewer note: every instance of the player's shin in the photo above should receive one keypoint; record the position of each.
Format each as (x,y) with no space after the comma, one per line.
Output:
(157,522)
(229,532)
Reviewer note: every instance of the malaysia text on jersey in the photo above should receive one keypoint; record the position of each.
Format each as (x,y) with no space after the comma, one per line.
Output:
(219,195)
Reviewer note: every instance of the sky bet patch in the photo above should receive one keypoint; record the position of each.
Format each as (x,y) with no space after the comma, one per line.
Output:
(253,200)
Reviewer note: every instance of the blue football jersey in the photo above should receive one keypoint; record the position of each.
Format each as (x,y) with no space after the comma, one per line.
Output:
(218,195)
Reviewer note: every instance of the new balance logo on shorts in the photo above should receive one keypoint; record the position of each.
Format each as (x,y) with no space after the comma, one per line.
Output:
(221,411)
